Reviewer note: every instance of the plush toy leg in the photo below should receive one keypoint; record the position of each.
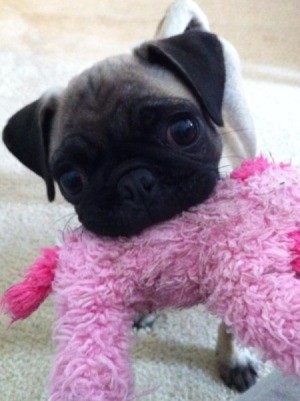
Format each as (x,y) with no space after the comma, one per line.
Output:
(264,313)
(92,361)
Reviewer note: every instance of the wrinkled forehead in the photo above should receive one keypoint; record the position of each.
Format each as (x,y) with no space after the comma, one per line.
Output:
(120,77)
(109,92)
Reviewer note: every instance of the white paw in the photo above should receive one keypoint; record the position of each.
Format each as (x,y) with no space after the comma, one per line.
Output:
(178,16)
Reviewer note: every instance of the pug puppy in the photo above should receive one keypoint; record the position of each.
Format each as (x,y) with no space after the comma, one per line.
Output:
(136,139)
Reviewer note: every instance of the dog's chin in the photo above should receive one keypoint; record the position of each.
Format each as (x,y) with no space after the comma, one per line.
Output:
(129,219)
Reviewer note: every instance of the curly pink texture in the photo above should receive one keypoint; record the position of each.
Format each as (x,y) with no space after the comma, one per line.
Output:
(22,299)
(250,167)
(238,253)
(234,253)
(296,251)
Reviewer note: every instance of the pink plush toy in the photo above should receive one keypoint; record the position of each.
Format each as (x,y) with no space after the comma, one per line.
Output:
(238,253)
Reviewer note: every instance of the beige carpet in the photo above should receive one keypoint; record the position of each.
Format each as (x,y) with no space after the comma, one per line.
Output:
(43,43)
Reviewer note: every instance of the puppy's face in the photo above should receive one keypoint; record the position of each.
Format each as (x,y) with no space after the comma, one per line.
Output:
(132,148)
(130,143)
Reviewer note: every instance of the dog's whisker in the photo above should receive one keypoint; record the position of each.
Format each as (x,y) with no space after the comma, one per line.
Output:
(235,131)
(64,217)
(67,226)
(232,157)
(225,166)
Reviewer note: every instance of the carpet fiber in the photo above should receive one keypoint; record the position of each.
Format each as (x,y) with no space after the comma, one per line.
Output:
(43,44)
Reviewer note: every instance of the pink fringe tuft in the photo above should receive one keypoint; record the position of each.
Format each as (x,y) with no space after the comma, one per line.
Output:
(249,168)
(254,167)
(22,299)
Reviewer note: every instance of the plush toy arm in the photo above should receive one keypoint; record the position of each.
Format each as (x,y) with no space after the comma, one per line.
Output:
(264,313)
(22,299)
(92,361)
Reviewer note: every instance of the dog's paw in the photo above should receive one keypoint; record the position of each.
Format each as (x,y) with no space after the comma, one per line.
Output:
(237,366)
(239,376)
(144,321)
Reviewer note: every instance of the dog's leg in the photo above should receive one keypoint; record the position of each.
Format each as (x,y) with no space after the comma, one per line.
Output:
(178,17)
(239,137)
(144,321)
(237,367)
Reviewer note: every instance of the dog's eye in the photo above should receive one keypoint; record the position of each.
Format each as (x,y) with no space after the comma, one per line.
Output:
(182,133)
(71,182)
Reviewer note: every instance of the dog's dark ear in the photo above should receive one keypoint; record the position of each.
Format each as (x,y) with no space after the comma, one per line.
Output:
(196,57)
(27,136)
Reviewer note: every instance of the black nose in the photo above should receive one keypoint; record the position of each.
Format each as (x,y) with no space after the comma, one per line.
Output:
(137,185)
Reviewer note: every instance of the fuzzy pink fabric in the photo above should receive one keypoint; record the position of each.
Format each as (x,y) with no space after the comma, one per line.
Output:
(237,253)
(22,299)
